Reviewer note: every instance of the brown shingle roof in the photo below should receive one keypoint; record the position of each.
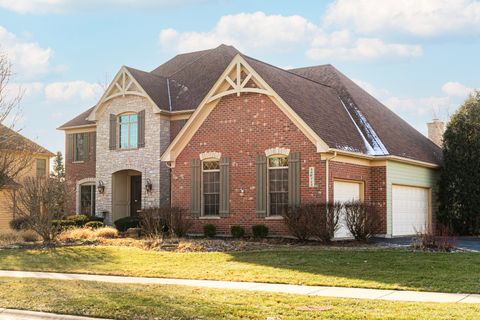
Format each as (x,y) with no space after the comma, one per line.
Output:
(396,135)
(78,121)
(339,111)
(13,141)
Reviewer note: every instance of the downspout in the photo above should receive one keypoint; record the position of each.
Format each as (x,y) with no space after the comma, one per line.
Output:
(327,176)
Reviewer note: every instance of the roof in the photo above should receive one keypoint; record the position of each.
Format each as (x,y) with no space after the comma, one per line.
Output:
(380,126)
(79,121)
(341,113)
(11,140)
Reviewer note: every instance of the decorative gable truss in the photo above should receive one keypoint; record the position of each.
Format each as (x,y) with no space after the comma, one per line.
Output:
(238,79)
(123,84)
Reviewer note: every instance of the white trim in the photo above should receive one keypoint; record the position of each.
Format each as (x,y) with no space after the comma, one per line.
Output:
(277,151)
(210,155)
(83,182)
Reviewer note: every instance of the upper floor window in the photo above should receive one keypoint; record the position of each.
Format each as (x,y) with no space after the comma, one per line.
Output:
(277,185)
(128,131)
(211,187)
(41,166)
(80,147)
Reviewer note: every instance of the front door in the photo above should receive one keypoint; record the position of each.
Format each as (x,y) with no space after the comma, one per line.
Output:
(135,195)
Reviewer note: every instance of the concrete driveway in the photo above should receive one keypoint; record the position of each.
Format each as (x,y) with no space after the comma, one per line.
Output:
(466,243)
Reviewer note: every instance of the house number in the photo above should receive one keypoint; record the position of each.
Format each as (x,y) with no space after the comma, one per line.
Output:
(311,177)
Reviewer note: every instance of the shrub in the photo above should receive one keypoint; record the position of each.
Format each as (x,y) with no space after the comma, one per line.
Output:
(63,224)
(76,234)
(125,223)
(105,232)
(94,224)
(29,236)
(19,223)
(9,238)
(95,218)
(209,230)
(237,231)
(79,219)
(162,221)
(313,219)
(438,239)
(260,231)
(361,219)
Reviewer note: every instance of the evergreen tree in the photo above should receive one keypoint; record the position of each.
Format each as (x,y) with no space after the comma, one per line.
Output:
(58,167)
(459,189)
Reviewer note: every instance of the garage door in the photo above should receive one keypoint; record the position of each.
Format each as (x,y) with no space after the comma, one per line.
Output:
(343,192)
(410,207)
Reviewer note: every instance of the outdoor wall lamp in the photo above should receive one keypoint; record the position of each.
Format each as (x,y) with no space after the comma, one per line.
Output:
(148,185)
(101,187)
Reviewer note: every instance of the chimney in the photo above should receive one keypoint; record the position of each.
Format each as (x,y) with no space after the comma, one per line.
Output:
(435,131)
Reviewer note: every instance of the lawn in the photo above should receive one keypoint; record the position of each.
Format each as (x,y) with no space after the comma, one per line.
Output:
(382,269)
(176,302)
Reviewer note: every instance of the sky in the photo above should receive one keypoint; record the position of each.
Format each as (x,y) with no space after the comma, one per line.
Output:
(419,57)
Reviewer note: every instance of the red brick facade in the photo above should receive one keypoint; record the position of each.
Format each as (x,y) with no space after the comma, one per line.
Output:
(242,127)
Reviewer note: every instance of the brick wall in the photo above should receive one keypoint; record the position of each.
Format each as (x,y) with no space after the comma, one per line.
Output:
(76,171)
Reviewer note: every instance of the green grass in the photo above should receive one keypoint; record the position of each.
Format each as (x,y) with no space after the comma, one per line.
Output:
(127,301)
(382,269)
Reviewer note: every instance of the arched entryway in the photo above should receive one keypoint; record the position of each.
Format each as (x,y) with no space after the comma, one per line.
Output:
(126,193)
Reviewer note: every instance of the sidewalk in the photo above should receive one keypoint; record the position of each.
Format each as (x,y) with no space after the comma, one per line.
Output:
(12,314)
(339,292)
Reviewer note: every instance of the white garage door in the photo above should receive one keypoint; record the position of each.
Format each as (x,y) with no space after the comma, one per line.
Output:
(410,207)
(343,192)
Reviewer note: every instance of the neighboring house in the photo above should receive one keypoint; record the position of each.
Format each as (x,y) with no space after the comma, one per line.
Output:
(234,140)
(34,161)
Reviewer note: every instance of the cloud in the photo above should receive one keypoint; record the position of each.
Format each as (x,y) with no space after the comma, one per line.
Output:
(364,48)
(456,89)
(63,91)
(257,31)
(61,6)
(28,58)
(414,17)
(245,31)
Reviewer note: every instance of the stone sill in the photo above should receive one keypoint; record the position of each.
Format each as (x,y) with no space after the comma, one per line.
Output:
(274,218)
(209,218)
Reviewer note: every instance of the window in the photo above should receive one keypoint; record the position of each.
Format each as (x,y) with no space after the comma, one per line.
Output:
(80,147)
(128,131)
(277,185)
(41,168)
(211,187)
(87,200)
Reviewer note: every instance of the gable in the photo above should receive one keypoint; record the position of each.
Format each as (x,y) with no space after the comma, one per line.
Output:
(237,79)
(124,84)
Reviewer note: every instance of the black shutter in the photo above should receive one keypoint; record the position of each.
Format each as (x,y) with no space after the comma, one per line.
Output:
(113,132)
(141,129)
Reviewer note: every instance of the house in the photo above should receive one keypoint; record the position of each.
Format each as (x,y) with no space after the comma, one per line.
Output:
(23,158)
(234,140)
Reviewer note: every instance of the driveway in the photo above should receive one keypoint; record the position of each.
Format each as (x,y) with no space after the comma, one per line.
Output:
(466,243)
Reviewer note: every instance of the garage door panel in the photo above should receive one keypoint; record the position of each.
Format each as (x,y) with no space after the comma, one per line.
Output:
(410,207)
(344,192)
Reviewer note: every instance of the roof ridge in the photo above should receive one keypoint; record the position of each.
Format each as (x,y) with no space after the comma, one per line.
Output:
(155,75)
(193,61)
(287,71)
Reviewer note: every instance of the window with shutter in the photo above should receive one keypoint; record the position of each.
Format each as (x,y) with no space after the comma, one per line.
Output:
(211,188)
(278,185)
(80,146)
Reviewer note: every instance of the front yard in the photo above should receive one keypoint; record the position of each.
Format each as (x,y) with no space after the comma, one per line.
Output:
(379,268)
(127,301)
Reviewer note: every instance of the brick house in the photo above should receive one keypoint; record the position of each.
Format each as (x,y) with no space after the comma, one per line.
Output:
(234,140)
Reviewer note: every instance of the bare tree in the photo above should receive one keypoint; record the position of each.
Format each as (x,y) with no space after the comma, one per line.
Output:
(37,202)
(13,147)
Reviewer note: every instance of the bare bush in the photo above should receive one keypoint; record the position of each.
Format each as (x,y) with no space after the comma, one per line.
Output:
(438,238)
(361,219)
(319,220)
(37,202)
(165,221)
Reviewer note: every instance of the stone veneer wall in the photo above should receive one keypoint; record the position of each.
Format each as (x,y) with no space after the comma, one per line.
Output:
(145,160)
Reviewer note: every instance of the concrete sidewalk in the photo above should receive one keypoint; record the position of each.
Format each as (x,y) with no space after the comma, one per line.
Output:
(339,292)
(12,314)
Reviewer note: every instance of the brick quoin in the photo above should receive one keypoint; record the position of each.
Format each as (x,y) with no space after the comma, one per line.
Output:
(242,127)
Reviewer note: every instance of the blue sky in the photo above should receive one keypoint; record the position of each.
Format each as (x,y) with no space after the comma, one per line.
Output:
(419,57)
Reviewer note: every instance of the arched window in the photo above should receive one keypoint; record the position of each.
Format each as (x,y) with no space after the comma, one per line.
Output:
(128,131)
(211,187)
(277,184)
